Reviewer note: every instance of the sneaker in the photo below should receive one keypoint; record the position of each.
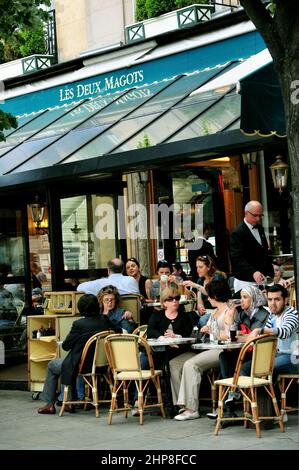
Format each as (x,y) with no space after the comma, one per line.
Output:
(212,415)
(134,410)
(232,396)
(186,415)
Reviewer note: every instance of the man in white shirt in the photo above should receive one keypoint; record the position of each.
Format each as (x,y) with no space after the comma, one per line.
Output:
(249,249)
(124,284)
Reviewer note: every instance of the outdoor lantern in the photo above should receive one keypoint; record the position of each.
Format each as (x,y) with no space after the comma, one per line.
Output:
(40,221)
(279,171)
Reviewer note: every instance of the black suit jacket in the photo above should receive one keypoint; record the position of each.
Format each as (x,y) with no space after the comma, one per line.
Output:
(247,255)
(75,341)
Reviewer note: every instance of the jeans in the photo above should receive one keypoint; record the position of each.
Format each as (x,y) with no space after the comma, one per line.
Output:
(80,386)
(283,364)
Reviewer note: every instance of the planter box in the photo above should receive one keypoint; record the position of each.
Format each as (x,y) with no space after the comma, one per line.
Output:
(36,62)
(177,19)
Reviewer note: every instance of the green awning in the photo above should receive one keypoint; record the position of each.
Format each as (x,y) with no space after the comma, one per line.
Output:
(262,110)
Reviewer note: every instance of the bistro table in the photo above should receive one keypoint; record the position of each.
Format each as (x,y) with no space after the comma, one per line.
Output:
(222,345)
(162,345)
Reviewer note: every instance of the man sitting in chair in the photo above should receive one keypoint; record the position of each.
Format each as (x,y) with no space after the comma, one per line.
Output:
(283,323)
(67,368)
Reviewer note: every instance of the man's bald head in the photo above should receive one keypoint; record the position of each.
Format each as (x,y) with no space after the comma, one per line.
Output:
(115,265)
(253,212)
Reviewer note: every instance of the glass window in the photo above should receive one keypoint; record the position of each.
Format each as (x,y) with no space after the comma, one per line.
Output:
(213,120)
(170,122)
(11,241)
(88,231)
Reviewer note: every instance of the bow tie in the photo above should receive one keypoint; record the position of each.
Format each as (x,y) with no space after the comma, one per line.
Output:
(255,226)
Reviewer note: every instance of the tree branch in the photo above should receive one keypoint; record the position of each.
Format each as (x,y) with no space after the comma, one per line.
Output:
(264,23)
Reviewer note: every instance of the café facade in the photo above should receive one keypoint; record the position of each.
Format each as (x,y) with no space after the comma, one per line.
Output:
(184,123)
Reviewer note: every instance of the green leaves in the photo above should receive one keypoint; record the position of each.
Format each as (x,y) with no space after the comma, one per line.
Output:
(7,121)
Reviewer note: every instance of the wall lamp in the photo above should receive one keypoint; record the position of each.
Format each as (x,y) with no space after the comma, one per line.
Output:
(279,172)
(143,178)
(39,217)
(249,159)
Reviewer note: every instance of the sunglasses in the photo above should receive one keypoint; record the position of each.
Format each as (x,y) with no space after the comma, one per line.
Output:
(171,299)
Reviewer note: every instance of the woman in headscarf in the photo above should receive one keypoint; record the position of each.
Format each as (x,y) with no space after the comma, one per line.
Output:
(252,315)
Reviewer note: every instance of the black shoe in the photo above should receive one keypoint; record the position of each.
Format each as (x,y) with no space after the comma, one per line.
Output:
(228,423)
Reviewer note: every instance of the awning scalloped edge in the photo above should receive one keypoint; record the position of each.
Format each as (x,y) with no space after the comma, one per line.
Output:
(261,134)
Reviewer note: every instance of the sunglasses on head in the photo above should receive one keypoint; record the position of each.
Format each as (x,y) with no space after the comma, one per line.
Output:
(171,299)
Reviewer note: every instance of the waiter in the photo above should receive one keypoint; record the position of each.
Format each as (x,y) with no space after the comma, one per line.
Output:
(249,249)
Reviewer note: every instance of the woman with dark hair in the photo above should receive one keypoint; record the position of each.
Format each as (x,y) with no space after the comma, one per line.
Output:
(133,270)
(166,279)
(109,300)
(186,371)
(207,272)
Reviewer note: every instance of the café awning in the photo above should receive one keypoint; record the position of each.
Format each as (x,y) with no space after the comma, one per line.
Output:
(204,105)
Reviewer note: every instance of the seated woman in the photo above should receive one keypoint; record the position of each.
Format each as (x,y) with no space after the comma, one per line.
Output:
(109,299)
(207,271)
(186,371)
(145,284)
(252,315)
(170,322)
(165,278)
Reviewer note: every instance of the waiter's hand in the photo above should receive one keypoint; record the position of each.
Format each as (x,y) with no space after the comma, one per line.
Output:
(258,277)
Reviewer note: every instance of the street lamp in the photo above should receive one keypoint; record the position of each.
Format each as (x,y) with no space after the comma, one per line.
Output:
(279,172)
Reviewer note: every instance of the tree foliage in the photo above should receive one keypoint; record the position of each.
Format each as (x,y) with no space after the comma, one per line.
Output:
(21,14)
(151,8)
(7,121)
(18,15)
(23,43)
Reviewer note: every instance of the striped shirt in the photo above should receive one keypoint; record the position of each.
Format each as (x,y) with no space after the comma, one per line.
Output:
(285,327)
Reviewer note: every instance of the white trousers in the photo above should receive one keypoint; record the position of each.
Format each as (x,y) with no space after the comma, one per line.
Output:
(185,375)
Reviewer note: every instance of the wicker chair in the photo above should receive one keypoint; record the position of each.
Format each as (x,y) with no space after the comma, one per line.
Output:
(132,302)
(285,381)
(99,367)
(264,349)
(141,331)
(123,354)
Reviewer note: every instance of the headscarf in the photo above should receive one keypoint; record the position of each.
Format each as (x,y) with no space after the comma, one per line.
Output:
(257,299)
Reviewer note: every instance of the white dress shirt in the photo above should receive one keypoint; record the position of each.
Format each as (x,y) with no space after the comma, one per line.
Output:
(124,284)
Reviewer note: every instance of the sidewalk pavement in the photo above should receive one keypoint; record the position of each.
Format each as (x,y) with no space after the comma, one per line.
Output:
(22,428)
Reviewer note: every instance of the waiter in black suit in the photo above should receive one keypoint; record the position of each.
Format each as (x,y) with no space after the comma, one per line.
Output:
(249,249)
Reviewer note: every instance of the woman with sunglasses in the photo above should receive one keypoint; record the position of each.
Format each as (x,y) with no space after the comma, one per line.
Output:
(145,284)
(170,322)
(109,298)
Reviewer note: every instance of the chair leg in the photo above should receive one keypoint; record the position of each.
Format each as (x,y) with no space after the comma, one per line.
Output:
(113,401)
(95,398)
(126,398)
(276,409)
(65,395)
(140,402)
(159,395)
(255,411)
(220,410)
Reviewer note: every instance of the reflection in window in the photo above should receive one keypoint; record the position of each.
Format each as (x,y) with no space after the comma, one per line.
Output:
(11,241)
(88,231)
